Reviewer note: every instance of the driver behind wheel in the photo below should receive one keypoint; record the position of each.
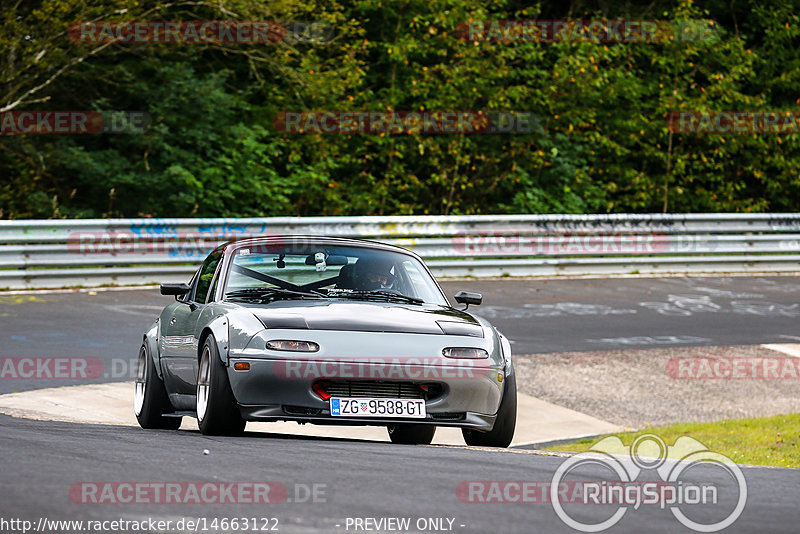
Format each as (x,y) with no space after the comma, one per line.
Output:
(374,274)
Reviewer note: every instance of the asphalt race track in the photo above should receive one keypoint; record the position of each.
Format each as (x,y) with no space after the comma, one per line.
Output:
(359,480)
(538,316)
(47,466)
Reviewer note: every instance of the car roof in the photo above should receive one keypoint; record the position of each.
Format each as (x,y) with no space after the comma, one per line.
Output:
(322,240)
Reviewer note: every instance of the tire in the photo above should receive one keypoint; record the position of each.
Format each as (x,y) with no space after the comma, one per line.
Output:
(503,431)
(217,411)
(411,434)
(150,399)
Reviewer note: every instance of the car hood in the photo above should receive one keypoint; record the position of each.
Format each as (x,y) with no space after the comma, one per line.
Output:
(367,317)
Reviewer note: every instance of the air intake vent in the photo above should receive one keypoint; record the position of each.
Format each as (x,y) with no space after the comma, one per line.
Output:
(300,410)
(449,416)
(380,389)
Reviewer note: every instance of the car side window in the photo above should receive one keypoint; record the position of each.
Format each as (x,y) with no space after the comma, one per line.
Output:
(420,288)
(192,283)
(217,276)
(205,277)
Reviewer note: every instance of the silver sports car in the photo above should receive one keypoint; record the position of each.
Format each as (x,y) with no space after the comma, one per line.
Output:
(326,331)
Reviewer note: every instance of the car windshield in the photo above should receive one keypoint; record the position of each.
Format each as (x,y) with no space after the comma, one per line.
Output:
(309,271)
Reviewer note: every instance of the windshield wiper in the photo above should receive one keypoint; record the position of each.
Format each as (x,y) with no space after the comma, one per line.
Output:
(379,294)
(261,294)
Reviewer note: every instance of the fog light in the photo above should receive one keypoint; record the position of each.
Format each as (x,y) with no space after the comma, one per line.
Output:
(464,352)
(319,389)
(292,346)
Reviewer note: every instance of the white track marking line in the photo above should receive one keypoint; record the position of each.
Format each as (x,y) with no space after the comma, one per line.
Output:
(75,290)
(792,349)
(112,404)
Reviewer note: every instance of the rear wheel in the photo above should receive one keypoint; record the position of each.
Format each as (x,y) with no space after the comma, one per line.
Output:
(411,434)
(150,399)
(217,411)
(503,431)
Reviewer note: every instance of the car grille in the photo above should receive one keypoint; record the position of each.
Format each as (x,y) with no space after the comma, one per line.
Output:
(374,388)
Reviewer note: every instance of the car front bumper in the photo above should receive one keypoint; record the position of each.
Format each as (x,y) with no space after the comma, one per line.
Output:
(281,389)
(277,413)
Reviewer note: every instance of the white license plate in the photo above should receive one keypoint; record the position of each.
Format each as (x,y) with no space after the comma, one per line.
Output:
(389,408)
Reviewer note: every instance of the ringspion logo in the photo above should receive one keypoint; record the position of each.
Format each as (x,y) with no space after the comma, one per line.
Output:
(686,458)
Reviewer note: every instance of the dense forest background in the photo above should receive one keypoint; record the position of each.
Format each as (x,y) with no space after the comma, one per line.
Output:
(212,150)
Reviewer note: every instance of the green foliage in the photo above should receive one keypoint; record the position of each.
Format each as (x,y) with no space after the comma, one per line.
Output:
(602,144)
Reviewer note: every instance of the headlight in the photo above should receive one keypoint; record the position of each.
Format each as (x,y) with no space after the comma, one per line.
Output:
(464,352)
(292,346)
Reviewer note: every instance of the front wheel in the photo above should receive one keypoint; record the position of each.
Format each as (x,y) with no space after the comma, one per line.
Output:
(503,431)
(150,400)
(411,434)
(217,412)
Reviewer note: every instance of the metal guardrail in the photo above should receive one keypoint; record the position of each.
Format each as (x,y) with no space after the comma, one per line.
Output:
(92,252)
